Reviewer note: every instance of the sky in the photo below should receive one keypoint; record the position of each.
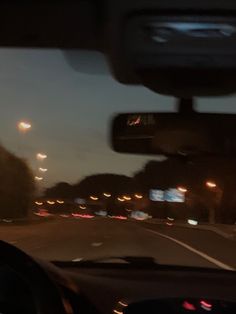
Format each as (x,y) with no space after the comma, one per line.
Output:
(70,103)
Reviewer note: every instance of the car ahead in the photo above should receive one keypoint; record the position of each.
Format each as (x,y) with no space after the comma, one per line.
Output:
(181,258)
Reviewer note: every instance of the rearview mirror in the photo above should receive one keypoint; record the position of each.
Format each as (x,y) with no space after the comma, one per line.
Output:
(172,134)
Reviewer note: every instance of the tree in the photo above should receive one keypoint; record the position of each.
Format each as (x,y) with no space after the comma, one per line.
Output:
(60,190)
(17,186)
(100,183)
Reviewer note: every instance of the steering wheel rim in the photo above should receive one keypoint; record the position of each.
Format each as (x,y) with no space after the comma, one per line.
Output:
(46,296)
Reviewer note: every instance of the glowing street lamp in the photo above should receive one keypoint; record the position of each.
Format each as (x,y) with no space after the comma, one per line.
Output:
(41,156)
(211,184)
(24,126)
(120,199)
(51,202)
(182,189)
(126,198)
(60,202)
(38,203)
(94,198)
(43,169)
(38,178)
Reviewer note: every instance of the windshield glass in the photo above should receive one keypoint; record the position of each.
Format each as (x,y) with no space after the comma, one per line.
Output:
(65,195)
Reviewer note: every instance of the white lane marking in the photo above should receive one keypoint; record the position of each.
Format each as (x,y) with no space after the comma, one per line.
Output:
(190,248)
(96,244)
(78,259)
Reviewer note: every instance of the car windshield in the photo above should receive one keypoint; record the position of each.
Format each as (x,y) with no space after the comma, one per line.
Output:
(65,195)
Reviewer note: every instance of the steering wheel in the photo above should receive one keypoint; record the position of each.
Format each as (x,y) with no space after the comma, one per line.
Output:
(46,297)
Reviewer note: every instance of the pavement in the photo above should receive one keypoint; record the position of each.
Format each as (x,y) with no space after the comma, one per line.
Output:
(76,239)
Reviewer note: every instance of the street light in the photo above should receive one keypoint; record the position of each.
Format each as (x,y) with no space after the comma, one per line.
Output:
(38,178)
(41,156)
(24,126)
(127,198)
(211,184)
(60,202)
(182,189)
(120,199)
(51,202)
(94,198)
(38,203)
(43,169)
(107,194)
(138,196)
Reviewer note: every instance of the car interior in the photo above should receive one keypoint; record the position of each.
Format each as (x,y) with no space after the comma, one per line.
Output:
(184,49)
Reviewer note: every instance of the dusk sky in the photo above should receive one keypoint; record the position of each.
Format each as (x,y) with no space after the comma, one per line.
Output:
(70,112)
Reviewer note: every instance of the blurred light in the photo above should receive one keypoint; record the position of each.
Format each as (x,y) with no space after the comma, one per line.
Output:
(139,196)
(120,199)
(94,198)
(117,312)
(107,194)
(128,210)
(38,178)
(193,222)
(206,306)
(60,202)
(41,156)
(170,218)
(24,126)
(188,306)
(38,203)
(211,184)
(169,224)
(51,202)
(119,217)
(123,303)
(182,189)
(65,216)
(82,207)
(127,198)
(83,216)
(43,169)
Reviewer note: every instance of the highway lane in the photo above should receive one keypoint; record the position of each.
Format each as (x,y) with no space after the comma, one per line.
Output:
(70,239)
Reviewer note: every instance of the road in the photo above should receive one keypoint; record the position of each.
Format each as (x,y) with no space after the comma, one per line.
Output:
(74,239)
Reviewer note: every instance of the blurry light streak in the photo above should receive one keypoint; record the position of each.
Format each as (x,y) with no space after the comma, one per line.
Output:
(82,207)
(119,217)
(127,198)
(192,222)
(182,189)
(83,215)
(123,303)
(38,178)
(139,196)
(43,169)
(41,156)
(188,306)
(107,194)
(211,184)
(206,304)
(60,202)
(94,198)
(170,218)
(38,203)
(120,199)
(51,202)
(117,312)
(24,126)
(169,224)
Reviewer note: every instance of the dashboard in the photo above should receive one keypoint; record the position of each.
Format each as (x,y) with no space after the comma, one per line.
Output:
(119,289)
(28,285)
